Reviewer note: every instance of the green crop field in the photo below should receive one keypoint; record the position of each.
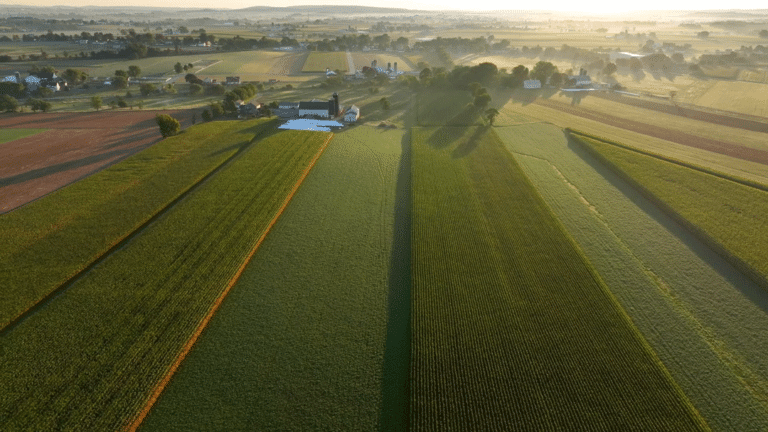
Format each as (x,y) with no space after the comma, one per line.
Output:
(66,367)
(697,312)
(728,213)
(320,61)
(497,288)
(98,212)
(303,340)
(7,135)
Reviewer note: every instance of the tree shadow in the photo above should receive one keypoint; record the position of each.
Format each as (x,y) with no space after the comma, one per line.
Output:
(397,350)
(466,147)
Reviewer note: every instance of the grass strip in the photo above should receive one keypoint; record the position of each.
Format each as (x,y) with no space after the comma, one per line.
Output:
(52,240)
(511,327)
(91,358)
(11,134)
(726,213)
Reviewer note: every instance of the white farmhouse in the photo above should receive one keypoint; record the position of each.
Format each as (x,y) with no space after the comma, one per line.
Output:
(352,114)
(532,84)
(313,108)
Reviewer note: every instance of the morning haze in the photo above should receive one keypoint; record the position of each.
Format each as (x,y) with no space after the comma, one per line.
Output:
(411,216)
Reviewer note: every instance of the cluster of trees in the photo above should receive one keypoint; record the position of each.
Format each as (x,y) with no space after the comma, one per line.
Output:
(360,41)
(238,43)
(476,45)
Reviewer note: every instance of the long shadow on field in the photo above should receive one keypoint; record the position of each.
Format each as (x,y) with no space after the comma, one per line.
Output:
(742,282)
(397,351)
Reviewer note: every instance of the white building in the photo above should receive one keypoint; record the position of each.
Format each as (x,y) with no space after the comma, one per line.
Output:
(313,108)
(352,114)
(532,84)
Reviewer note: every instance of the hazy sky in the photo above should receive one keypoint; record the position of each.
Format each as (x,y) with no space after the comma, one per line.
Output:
(557,5)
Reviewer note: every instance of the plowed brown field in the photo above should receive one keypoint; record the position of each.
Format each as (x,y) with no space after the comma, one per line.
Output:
(75,146)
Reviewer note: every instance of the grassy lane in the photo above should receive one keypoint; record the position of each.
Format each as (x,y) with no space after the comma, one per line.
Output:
(730,215)
(95,214)
(705,324)
(89,359)
(299,344)
(512,330)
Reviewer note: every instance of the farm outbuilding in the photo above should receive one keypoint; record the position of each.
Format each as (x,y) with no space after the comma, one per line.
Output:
(314,109)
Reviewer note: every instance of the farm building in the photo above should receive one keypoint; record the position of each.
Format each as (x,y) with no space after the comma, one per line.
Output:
(233,80)
(352,114)
(580,80)
(532,84)
(324,109)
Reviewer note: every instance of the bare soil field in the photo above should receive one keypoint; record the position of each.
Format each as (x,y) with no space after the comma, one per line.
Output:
(716,146)
(74,146)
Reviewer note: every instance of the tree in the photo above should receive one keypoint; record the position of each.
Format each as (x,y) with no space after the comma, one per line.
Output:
(384,103)
(169,126)
(170,89)
(74,76)
(558,79)
(195,89)
(120,82)
(491,114)
(44,92)
(482,99)
(8,103)
(96,102)
(763,34)
(121,73)
(702,34)
(207,115)
(134,71)
(178,67)
(216,109)
(147,88)
(39,105)
(543,70)
(610,69)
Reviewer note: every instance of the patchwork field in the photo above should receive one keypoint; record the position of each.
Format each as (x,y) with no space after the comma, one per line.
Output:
(156,290)
(320,61)
(73,146)
(308,338)
(700,315)
(497,287)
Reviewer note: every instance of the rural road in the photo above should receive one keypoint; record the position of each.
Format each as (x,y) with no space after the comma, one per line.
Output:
(350,63)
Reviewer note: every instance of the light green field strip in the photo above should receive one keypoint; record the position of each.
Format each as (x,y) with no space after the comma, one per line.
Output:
(299,344)
(48,241)
(731,215)
(511,328)
(8,135)
(319,61)
(737,167)
(703,320)
(90,358)
(744,97)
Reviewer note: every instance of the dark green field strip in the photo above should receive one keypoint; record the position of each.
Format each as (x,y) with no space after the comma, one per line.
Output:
(511,328)
(50,241)
(11,134)
(730,216)
(89,359)
(299,343)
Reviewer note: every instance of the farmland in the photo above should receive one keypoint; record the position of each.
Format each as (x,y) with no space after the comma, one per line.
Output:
(493,308)
(7,135)
(698,313)
(155,291)
(102,210)
(320,61)
(313,311)
(728,213)
(743,97)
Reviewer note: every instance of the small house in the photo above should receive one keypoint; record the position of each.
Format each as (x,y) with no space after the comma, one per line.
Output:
(532,84)
(233,80)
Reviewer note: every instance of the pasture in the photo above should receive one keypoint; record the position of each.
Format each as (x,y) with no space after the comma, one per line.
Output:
(156,291)
(697,312)
(737,96)
(314,310)
(496,288)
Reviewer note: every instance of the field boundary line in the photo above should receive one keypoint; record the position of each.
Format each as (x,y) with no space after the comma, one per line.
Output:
(119,243)
(160,387)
